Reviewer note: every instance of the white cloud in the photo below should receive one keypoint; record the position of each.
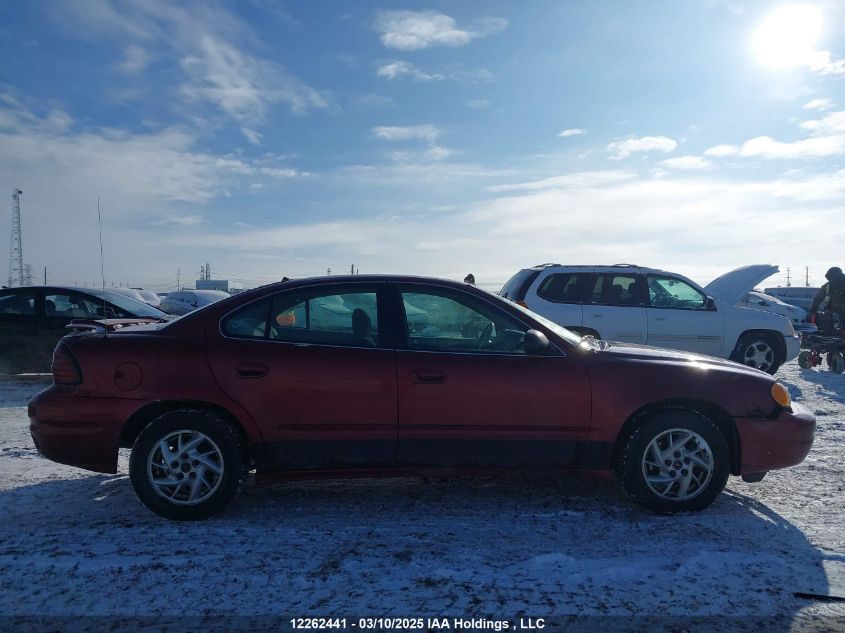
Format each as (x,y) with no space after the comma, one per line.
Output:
(623,149)
(251,135)
(578,180)
(427,132)
(414,30)
(825,64)
(833,123)
(400,69)
(179,220)
(696,163)
(575,131)
(136,59)
(819,147)
(478,104)
(818,104)
(721,151)
(209,45)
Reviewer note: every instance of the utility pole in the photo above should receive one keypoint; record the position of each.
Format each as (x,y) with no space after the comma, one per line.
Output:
(45,275)
(16,271)
(328,271)
(179,279)
(788,279)
(352,269)
(807,276)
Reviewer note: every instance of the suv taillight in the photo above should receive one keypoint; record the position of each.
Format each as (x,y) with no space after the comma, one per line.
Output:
(65,368)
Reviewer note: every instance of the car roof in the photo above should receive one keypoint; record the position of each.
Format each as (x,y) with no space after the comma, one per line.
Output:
(599,268)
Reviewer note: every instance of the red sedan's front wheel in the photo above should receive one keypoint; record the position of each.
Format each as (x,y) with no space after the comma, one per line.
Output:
(677,460)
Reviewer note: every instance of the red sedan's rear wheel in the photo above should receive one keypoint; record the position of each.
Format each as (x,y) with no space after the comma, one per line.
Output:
(187,464)
(675,461)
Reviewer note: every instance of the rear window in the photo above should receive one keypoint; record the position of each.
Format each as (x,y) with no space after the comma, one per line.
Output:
(517,286)
(19,302)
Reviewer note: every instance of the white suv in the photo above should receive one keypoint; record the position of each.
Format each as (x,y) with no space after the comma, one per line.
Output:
(653,307)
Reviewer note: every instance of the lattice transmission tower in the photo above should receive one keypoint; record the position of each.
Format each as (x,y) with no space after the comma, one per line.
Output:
(17,274)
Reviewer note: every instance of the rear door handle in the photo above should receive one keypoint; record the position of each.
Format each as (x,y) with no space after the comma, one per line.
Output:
(428,376)
(597,316)
(659,318)
(252,370)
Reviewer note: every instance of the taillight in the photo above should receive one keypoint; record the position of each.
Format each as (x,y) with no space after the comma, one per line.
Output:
(521,303)
(65,368)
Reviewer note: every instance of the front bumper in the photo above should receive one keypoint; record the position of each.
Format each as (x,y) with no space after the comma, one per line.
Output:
(793,347)
(772,443)
(81,432)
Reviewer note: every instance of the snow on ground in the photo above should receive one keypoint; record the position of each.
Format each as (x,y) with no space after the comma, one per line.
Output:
(75,543)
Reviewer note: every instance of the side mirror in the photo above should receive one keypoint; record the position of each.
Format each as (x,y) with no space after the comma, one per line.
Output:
(535,342)
(195,304)
(710,304)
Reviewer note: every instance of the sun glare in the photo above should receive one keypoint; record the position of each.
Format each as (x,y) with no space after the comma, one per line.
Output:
(787,37)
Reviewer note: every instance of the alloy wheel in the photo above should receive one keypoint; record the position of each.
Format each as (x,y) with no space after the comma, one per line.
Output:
(185,467)
(677,464)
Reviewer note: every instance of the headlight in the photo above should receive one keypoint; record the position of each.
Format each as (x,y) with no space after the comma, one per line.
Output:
(780,394)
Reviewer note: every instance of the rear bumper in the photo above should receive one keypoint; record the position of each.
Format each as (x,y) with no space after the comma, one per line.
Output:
(769,444)
(78,431)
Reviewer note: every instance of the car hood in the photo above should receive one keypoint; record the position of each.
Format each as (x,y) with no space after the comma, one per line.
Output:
(648,354)
(731,286)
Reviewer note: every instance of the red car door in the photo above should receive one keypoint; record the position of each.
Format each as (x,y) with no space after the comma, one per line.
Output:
(313,367)
(470,396)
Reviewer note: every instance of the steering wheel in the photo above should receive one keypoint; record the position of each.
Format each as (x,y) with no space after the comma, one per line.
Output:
(485,334)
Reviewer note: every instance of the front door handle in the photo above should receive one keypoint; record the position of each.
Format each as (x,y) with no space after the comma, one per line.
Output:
(252,370)
(597,316)
(428,376)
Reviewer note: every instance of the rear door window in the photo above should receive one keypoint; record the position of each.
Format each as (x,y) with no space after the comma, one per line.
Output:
(611,289)
(318,317)
(564,287)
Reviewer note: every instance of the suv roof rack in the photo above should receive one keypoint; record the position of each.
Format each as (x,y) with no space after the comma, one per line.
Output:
(626,266)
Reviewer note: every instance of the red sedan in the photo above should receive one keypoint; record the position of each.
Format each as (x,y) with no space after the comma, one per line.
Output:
(387,375)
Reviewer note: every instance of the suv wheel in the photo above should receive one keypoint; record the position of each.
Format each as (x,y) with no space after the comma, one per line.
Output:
(757,351)
(187,464)
(676,461)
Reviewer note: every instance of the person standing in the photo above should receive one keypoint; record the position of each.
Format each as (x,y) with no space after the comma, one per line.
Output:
(834,292)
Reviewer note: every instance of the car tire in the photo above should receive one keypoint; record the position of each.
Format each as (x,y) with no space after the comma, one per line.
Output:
(805,360)
(836,362)
(197,482)
(686,479)
(758,351)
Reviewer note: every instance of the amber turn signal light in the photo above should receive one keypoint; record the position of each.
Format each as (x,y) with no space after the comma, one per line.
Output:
(780,394)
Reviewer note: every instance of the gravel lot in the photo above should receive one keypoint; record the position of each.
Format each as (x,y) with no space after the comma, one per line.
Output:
(74,543)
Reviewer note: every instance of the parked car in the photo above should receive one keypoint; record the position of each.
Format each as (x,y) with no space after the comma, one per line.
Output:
(184,301)
(653,307)
(33,319)
(768,303)
(149,297)
(132,293)
(801,296)
(255,382)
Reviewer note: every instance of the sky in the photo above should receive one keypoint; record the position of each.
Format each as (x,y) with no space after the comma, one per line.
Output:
(272,138)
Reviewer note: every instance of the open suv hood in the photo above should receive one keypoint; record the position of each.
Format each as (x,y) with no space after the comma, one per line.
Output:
(732,286)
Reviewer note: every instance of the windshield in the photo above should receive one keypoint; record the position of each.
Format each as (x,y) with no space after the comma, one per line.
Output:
(138,308)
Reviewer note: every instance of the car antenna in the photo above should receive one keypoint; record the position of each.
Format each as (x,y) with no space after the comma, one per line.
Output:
(102,270)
